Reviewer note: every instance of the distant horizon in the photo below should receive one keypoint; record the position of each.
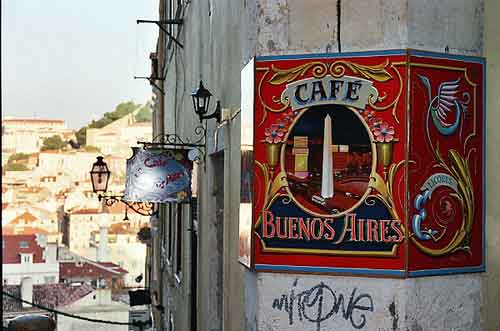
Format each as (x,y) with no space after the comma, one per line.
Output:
(27,117)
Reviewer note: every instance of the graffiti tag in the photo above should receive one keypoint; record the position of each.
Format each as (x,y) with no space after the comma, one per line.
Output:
(320,303)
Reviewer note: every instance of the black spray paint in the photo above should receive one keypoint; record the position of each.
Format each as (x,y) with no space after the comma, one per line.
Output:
(320,303)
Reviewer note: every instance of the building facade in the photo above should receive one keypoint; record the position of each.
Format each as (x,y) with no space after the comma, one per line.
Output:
(28,255)
(25,135)
(117,137)
(195,277)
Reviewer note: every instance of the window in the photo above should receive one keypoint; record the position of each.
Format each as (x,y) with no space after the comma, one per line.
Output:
(23,244)
(26,258)
(179,233)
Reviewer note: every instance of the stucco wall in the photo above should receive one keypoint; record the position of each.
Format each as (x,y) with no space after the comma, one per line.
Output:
(212,35)
(311,302)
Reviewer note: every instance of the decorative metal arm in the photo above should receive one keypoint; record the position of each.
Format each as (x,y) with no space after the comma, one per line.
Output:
(170,140)
(142,208)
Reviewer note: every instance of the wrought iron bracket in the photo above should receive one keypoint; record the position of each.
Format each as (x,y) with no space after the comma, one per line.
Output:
(174,141)
(142,208)
(161,24)
(151,81)
(217,114)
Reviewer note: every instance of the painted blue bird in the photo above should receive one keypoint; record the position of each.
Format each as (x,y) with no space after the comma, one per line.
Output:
(443,103)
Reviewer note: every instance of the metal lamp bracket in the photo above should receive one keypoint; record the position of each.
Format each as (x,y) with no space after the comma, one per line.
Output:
(174,141)
(152,82)
(142,208)
(161,25)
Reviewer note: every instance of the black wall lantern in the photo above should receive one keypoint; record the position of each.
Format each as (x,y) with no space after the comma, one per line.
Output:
(99,176)
(201,102)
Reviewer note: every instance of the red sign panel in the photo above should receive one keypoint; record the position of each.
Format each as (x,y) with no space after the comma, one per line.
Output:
(349,170)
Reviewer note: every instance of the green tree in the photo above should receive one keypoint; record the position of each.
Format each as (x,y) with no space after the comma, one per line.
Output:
(15,167)
(144,115)
(18,157)
(53,143)
(81,136)
(120,111)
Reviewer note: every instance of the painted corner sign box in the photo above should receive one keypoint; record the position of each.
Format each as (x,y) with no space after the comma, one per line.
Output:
(367,163)
(158,175)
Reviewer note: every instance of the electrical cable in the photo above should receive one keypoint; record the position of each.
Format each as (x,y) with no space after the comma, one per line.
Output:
(138,324)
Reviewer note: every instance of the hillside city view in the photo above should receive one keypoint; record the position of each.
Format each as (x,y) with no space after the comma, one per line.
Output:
(61,247)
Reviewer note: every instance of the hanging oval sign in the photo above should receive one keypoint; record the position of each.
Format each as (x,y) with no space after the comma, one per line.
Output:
(155,175)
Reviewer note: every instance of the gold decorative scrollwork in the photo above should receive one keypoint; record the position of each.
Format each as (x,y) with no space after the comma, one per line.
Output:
(271,187)
(282,76)
(459,170)
(385,190)
(379,73)
(264,104)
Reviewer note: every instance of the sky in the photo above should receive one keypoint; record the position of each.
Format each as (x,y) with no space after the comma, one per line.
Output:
(74,60)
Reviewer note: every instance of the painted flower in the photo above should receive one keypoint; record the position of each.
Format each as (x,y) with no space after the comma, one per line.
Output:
(274,134)
(384,133)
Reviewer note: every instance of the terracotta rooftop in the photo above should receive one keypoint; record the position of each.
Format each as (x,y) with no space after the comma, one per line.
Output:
(119,208)
(26,217)
(85,211)
(93,270)
(121,228)
(9,230)
(47,295)
(32,120)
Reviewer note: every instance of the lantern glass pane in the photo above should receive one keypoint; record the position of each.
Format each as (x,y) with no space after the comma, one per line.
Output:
(99,181)
(201,106)
(207,102)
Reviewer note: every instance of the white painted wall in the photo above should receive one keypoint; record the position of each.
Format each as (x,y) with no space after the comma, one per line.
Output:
(97,305)
(14,273)
(312,302)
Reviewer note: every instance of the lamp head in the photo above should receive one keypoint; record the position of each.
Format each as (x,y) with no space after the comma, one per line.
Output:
(201,100)
(99,175)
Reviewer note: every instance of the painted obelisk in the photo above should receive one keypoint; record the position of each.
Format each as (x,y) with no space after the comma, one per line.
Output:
(327,171)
